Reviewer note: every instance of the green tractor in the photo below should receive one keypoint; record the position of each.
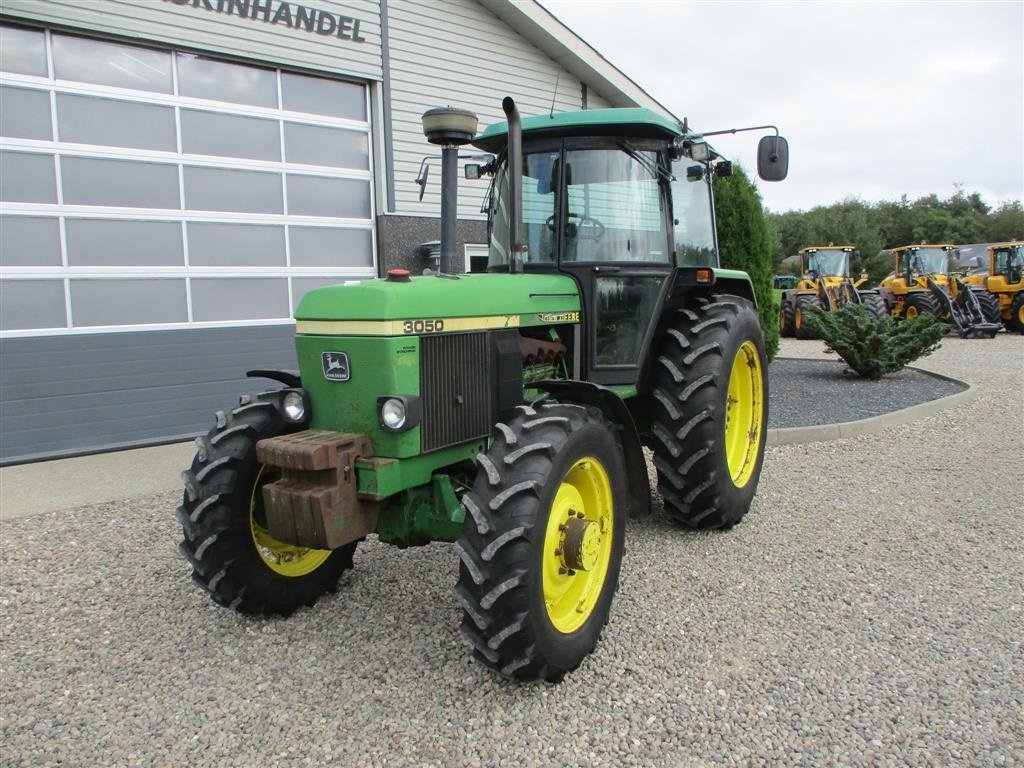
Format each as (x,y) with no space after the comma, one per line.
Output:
(507,411)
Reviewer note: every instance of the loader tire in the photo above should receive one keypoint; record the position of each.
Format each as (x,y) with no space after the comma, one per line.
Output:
(921,304)
(876,305)
(800,327)
(1016,321)
(786,312)
(542,541)
(232,555)
(710,413)
(989,307)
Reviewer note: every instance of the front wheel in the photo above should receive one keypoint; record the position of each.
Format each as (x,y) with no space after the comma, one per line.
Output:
(989,305)
(801,328)
(921,303)
(710,413)
(542,542)
(226,541)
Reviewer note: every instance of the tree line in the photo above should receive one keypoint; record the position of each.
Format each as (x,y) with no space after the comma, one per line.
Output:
(873,227)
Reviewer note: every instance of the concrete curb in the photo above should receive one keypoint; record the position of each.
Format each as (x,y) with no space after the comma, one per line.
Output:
(821,432)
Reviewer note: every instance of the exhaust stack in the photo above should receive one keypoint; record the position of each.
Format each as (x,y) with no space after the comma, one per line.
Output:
(450,128)
(515,184)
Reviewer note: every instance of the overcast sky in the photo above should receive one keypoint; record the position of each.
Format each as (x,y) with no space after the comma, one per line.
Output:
(877,99)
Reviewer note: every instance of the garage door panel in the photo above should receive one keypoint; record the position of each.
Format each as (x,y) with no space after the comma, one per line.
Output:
(145,187)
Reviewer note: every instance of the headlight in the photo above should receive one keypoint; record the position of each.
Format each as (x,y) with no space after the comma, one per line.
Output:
(294,407)
(392,413)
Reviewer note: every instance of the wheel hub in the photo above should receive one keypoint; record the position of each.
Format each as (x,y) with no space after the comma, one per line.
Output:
(581,544)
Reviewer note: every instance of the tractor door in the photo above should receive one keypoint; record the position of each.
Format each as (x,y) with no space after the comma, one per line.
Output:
(615,226)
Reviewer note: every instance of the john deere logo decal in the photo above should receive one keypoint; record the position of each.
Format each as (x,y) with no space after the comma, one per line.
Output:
(335,366)
(559,317)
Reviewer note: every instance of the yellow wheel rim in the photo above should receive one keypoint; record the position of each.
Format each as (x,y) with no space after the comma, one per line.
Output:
(744,414)
(284,559)
(577,545)
(782,318)
(911,312)
(798,318)
(1020,314)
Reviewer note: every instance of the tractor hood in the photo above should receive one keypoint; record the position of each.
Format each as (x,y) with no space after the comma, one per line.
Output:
(499,299)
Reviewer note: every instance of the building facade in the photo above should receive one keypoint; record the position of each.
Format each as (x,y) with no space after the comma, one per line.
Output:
(176,174)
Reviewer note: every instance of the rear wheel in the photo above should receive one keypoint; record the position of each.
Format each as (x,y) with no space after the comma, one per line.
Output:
(542,542)
(226,541)
(710,413)
(1016,321)
(920,303)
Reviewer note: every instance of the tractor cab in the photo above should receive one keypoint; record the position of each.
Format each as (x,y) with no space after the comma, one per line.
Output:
(621,200)
(832,261)
(1006,260)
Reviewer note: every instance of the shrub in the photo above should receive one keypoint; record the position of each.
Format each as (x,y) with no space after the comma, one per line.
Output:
(871,350)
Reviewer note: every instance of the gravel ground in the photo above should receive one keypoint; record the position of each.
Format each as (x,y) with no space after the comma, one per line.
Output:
(869,611)
(805,392)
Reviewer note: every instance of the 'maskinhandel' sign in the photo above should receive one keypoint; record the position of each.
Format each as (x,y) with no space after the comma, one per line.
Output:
(291,15)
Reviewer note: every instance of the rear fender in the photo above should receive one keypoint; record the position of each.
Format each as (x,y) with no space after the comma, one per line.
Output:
(616,411)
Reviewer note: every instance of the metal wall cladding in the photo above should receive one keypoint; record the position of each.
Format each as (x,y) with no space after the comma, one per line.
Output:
(456,387)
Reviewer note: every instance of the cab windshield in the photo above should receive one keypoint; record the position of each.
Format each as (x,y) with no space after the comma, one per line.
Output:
(933,261)
(613,209)
(1008,258)
(829,263)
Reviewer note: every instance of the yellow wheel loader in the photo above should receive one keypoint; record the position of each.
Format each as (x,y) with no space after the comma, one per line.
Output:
(826,283)
(1004,283)
(921,283)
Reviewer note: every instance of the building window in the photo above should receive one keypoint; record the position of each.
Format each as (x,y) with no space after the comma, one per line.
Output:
(145,188)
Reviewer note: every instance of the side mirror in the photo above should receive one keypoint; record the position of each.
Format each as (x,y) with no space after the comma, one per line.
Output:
(772,158)
(424,174)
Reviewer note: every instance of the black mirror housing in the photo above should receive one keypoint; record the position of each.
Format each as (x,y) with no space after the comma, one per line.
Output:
(773,158)
(723,168)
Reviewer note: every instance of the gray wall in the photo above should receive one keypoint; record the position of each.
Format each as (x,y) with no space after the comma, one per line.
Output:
(77,393)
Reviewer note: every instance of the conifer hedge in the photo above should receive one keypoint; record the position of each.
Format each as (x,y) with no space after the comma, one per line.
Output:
(744,243)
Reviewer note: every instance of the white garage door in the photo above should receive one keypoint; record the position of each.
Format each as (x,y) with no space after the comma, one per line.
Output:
(143,188)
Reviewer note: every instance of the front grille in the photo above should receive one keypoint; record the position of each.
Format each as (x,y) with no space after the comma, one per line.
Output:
(455,387)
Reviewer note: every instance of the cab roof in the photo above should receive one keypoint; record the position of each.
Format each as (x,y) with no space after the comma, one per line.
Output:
(813,248)
(946,246)
(635,122)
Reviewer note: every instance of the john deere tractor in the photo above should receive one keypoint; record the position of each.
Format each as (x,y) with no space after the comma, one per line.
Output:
(921,283)
(1004,282)
(826,284)
(507,411)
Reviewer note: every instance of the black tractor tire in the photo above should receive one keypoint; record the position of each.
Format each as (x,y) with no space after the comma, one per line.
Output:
(786,312)
(1016,321)
(989,307)
(220,518)
(692,403)
(876,304)
(920,303)
(800,327)
(508,579)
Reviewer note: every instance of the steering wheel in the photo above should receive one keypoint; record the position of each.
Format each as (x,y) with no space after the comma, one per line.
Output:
(586,228)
